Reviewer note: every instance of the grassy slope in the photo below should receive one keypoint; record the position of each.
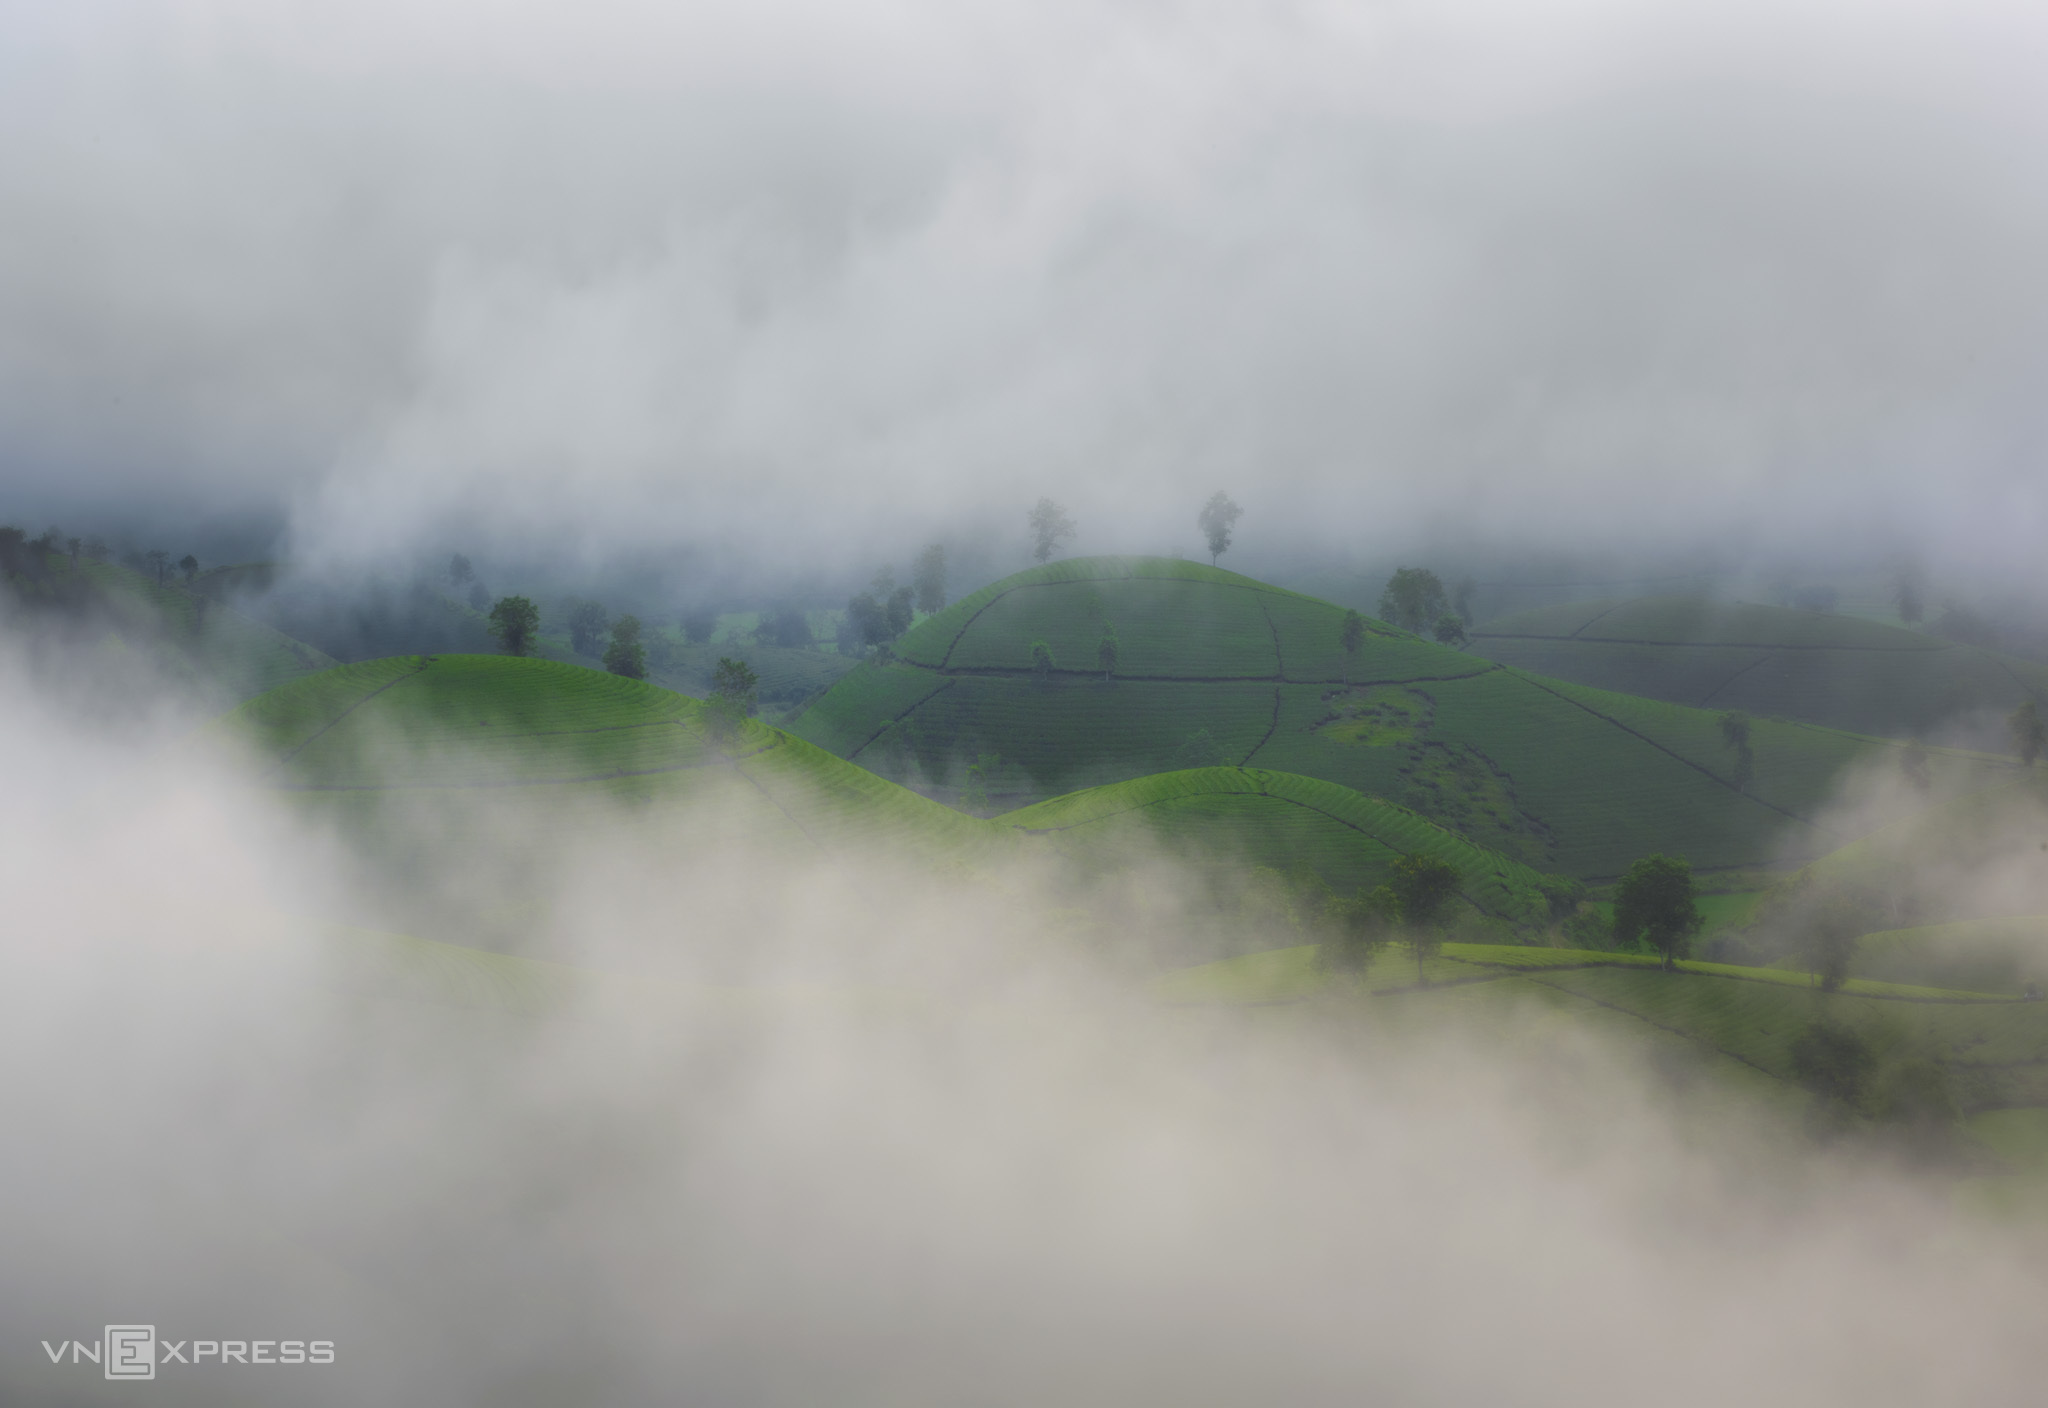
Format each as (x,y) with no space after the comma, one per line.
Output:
(1558,776)
(1276,820)
(215,647)
(1996,1048)
(562,746)
(1767,660)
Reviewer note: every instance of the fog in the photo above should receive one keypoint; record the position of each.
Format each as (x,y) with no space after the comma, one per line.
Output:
(717,305)
(917,1148)
(811,284)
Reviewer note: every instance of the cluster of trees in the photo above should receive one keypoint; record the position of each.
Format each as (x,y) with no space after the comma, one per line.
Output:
(1051,526)
(1415,600)
(462,573)
(1409,908)
(878,617)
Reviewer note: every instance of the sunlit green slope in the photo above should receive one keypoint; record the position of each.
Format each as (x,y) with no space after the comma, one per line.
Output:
(1215,668)
(1274,820)
(1766,660)
(425,749)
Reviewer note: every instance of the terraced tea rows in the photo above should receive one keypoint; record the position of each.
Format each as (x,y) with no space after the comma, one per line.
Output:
(1838,671)
(1558,776)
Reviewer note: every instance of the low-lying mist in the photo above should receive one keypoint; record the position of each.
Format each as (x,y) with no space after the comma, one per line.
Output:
(978,1164)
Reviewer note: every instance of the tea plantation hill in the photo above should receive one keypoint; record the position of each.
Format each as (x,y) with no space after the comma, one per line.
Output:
(1841,671)
(1213,667)
(419,758)
(185,631)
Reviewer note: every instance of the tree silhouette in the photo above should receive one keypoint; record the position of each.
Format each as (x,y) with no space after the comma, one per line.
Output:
(1217,518)
(1413,599)
(1050,526)
(515,621)
(1422,885)
(1655,900)
(626,655)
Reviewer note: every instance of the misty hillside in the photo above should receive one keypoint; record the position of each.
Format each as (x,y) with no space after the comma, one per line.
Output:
(1215,668)
(1779,661)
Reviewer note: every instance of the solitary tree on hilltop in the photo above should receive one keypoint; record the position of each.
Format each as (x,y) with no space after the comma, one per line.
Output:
(1655,901)
(1449,629)
(1217,518)
(1414,598)
(1050,526)
(626,655)
(2029,732)
(515,621)
(1422,885)
(189,565)
(930,579)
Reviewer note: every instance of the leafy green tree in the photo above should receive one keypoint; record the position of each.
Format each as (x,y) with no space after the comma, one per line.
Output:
(1041,661)
(1365,924)
(587,627)
(1216,519)
(1414,597)
(1422,885)
(189,565)
(13,550)
(1050,526)
(1353,635)
(1833,925)
(460,570)
(786,626)
(1105,651)
(735,691)
(1449,629)
(2028,731)
(1656,901)
(929,578)
(626,655)
(699,625)
(898,612)
(515,621)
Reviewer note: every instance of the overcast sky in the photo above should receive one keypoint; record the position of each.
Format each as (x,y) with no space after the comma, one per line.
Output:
(821,279)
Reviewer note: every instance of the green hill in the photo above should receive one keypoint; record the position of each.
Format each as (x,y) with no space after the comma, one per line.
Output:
(1991,1051)
(1768,660)
(458,771)
(1215,668)
(1276,821)
(182,631)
